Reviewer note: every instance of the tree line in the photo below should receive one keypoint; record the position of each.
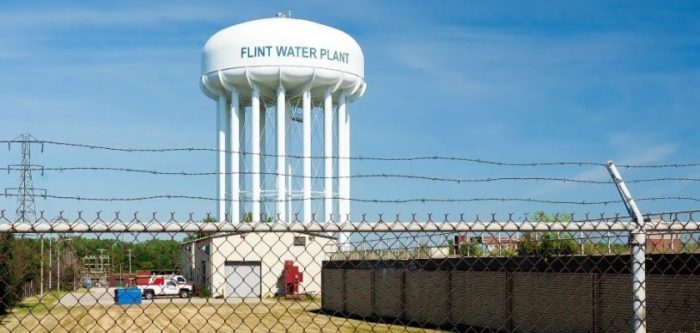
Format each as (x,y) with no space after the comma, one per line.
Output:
(540,244)
(21,260)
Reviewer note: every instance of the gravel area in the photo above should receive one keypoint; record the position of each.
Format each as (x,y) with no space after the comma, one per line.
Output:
(105,297)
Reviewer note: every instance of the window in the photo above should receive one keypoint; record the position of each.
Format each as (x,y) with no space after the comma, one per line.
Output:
(299,241)
(181,279)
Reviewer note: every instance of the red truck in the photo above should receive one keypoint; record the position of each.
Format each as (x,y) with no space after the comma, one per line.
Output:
(161,285)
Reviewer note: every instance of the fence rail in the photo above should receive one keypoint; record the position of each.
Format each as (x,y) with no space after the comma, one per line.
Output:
(364,226)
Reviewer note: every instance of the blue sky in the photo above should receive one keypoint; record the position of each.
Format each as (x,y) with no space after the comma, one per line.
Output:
(507,81)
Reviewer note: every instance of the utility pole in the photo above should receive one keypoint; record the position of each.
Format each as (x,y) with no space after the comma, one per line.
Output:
(58,262)
(101,266)
(129,261)
(50,266)
(26,208)
(41,269)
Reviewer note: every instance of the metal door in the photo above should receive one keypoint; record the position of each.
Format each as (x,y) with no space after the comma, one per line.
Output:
(242,279)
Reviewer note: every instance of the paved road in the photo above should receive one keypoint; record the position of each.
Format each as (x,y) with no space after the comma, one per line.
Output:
(105,297)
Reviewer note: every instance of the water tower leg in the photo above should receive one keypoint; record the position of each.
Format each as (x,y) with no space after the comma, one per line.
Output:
(263,159)
(221,157)
(347,172)
(343,160)
(290,171)
(343,172)
(255,155)
(328,155)
(281,205)
(235,147)
(306,104)
(244,165)
(347,161)
(227,176)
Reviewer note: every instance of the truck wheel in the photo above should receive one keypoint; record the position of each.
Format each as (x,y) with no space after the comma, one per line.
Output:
(184,293)
(148,295)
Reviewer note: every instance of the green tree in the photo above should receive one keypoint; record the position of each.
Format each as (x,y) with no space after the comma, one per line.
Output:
(466,249)
(248,217)
(8,296)
(547,244)
(148,255)
(156,254)
(527,246)
(200,234)
(19,263)
(471,249)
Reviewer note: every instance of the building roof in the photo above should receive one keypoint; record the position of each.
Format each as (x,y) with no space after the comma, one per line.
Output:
(249,232)
(492,240)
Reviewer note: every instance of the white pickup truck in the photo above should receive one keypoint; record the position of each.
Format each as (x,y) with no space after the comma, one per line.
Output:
(159,285)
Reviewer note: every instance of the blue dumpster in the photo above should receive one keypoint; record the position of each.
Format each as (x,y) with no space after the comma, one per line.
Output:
(125,296)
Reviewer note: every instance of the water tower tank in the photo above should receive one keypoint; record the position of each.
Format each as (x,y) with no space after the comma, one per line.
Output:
(283,84)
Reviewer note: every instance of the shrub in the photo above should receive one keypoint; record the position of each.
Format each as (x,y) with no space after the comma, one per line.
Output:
(204,292)
(549,243)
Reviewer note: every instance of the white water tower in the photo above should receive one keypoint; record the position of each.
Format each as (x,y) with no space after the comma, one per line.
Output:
(282,88)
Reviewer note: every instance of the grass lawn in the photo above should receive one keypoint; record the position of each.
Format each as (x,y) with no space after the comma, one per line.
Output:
(37,305)
(270,315)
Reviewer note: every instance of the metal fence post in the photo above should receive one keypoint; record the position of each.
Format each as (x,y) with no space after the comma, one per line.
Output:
(637,242)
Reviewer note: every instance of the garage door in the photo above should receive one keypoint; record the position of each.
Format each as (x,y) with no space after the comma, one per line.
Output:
(242,279)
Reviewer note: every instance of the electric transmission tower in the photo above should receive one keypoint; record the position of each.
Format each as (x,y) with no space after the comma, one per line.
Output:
(25,193)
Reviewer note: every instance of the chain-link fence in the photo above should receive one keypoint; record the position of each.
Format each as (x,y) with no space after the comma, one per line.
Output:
(537,273)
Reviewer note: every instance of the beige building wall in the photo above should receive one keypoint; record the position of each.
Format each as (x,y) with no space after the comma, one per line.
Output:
(192,254)
(187,260)
(271,249)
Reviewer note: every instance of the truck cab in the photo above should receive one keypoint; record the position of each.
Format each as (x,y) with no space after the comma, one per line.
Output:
(160,286)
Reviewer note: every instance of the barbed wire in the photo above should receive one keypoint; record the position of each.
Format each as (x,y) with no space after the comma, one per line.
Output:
(371,175)
(363,158)
(359,176)
(659,166)
(394,201)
